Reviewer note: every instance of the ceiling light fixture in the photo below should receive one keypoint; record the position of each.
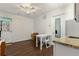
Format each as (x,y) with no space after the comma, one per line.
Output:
(28,8)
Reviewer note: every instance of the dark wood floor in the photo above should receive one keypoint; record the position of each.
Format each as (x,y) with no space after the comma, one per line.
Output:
(27,48)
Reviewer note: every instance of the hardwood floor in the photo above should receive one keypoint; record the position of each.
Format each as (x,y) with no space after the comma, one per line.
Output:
(27,48)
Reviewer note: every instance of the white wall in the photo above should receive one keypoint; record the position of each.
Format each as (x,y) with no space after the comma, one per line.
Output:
(69,12)
(22,27)
(45,23)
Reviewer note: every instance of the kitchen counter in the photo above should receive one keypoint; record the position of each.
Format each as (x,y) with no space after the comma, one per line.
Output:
(66,46)
(72,42)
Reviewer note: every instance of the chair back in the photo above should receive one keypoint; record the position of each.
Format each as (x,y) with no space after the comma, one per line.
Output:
(2,48)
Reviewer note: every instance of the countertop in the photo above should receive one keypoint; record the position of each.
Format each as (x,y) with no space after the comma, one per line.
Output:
(73,42)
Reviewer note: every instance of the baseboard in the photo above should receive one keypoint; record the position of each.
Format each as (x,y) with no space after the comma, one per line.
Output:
(17,41)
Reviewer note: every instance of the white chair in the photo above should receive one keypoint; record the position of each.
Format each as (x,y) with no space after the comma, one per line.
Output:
(47,41)
(44,39)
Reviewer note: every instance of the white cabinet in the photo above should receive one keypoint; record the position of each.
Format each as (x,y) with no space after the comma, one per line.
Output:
(61,50)
(72,28)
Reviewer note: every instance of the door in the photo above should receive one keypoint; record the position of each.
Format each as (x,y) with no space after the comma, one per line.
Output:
(58,27)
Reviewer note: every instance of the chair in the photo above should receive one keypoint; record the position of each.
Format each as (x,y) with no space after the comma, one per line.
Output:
(47,41)
(2,48)
(43,39)
(33,36)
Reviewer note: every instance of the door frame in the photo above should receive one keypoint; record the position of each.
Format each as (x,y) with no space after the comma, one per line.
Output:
(54,17)
(58,27)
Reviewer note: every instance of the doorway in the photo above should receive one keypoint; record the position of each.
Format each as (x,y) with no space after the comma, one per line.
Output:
(58,27)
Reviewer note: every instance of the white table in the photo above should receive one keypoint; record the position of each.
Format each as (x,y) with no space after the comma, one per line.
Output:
(41,36)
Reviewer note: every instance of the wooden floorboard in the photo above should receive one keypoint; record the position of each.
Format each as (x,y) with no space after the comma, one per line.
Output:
(27,48)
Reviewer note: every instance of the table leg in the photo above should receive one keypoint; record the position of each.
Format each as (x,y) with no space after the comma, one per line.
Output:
(41,43)
(36,42)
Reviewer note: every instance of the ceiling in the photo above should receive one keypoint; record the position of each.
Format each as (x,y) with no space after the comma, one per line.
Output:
(43,8)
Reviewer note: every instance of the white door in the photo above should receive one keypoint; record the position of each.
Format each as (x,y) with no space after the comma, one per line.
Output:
(58,27)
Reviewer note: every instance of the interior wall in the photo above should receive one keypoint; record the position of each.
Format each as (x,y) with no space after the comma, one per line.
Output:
(21,27)
(45,23)
(69,12)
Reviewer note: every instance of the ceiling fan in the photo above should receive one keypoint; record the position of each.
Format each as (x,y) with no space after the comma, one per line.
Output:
(28,8)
